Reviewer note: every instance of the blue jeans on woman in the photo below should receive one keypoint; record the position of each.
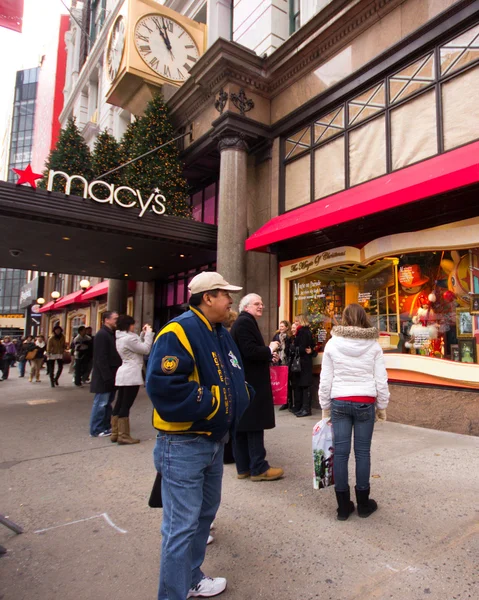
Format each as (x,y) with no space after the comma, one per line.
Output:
(191,467)
(345,416)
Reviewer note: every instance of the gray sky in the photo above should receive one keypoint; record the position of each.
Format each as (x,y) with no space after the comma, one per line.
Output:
(23,51)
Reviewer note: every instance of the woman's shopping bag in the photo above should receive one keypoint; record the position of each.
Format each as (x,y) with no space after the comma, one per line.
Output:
(323,454)
(279,384)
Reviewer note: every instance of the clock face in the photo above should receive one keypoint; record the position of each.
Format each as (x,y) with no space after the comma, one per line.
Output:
(115,48)
(166,47)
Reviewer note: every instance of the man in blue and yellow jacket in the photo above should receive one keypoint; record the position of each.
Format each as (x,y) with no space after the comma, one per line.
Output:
(195,380)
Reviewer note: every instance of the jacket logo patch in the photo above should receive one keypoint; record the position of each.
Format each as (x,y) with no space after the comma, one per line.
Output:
(169,364)
(234,360)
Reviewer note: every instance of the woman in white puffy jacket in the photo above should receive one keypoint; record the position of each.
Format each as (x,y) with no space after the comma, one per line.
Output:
(353,387)
(131,348)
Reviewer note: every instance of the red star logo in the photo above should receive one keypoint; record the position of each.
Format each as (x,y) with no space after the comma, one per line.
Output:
(27,176)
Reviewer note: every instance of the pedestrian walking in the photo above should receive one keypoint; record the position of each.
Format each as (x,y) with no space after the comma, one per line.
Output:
(9,356)
(249,450)
(353,387)
(56,346)
(36,356)
(303,380)
(80,344)
(131,348)
(106,362)
(195,380)
(24,346)
(283,337)
(88,356)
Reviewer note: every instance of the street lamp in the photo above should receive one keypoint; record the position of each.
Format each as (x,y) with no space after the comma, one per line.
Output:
(40,301)
(55,296)
(84,284)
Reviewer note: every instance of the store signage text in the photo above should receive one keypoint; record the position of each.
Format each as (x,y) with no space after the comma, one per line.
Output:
(25,295)
(156,201)
(305,265)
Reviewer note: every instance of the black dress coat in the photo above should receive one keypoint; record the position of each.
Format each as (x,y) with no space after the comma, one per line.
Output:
(303,340)
(106,362)
(256,360)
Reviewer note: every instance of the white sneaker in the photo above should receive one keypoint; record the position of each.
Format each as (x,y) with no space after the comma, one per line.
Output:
(208,587)
(211,539)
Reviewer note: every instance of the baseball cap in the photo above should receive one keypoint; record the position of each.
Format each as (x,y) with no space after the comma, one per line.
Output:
(210,280)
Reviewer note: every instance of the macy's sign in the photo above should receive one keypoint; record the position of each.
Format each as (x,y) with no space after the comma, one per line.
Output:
(156,201)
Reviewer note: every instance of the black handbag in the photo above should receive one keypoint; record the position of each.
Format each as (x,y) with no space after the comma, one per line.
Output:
(296,363)
(155,500)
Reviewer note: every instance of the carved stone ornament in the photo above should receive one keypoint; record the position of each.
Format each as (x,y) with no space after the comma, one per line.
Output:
(233,142)
(242,103)
(221,100)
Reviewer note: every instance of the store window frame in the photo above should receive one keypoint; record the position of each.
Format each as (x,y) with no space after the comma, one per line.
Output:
(307,130)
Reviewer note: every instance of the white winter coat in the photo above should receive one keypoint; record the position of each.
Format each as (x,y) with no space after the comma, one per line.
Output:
(353,365)
(131,348)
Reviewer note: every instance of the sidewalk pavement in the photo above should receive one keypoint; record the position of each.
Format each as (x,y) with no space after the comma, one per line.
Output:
(89,534)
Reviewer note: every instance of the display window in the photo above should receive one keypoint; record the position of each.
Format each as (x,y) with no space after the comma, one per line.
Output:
(423,303)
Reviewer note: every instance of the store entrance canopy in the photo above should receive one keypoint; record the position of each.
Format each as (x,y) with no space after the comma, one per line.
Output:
(58,233)
(431,178)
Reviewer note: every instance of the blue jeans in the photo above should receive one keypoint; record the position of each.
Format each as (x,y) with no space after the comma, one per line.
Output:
(101,412)
(191,467)
(21,367)
(250,453)
(345,416)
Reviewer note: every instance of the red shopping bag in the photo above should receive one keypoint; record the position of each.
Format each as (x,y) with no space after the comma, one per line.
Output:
(279,384)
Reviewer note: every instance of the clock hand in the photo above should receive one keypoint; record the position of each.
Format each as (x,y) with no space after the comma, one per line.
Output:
(167,39)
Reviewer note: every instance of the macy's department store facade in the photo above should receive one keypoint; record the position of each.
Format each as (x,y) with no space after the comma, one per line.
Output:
(347,169)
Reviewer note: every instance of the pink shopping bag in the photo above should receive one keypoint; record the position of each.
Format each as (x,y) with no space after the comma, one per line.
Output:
(279,384)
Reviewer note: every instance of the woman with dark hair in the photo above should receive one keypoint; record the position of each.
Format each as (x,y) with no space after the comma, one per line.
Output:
(131,348)
(354,387)
(303,380)
(284,337)
(55,348)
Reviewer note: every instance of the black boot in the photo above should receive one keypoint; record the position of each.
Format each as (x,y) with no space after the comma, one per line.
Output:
(345,505)
(306,403)
(366,506)
(283,407)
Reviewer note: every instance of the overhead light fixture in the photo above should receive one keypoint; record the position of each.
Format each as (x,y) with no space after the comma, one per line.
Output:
(47,254)
(125,274)
(102,262)
(182,256)
(84,284)
(150,267)
(40,301)
(55,295)
(129,247)
(34,265)
(66,239)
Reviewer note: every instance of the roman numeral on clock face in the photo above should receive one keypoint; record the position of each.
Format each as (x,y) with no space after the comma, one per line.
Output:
(180,74)
(166,71)
(154,62)
(145,49)
(143,38)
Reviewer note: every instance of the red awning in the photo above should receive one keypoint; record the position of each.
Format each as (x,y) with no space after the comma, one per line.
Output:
(73,298)
(97,290)
(46,307)
(101,289)
(437,175)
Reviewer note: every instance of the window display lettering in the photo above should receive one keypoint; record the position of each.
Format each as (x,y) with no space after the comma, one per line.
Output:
(156,202)
(421,302)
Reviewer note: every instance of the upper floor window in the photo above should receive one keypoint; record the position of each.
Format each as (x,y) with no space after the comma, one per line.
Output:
(294,15)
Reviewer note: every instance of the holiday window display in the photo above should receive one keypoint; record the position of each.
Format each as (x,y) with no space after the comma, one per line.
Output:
(421,302)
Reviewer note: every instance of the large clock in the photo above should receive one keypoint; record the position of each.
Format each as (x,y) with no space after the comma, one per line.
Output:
(115,48)
(166,47)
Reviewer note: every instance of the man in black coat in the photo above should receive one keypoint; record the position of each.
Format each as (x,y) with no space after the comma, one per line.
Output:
(249,450)
(106,362)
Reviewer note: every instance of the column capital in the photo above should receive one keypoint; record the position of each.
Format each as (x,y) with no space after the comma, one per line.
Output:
(233,141)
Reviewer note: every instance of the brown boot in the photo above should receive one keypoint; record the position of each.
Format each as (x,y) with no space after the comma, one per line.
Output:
(270,475)
(114,429)
(124,432)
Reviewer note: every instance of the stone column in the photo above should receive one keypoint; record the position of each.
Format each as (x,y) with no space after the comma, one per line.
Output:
(232,224)
(117,296)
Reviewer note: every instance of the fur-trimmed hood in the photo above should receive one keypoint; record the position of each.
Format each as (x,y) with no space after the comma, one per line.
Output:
(371,333)
(353,341)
